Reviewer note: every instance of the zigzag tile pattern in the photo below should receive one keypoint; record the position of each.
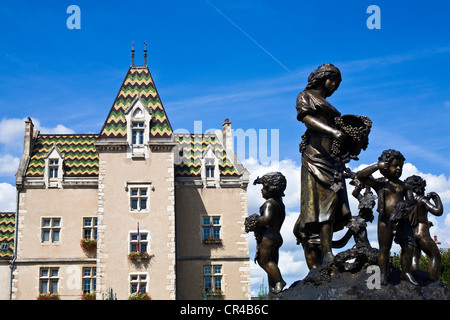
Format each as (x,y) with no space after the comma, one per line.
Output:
(137,81)
(80,155)
(191,148)
(7,221)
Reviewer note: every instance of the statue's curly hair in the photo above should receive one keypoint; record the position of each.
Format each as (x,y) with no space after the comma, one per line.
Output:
(391,154)
(274,182)
(416,183)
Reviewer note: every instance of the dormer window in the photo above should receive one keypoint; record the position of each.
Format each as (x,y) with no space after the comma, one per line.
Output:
(53,168)
(210,167)
(53,173)
(138,133)
(138,119)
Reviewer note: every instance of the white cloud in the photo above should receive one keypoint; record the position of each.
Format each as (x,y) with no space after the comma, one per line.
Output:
(8,164)
(12,131)
(7,197)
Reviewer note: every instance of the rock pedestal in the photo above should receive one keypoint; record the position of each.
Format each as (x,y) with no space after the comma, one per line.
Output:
(356,280)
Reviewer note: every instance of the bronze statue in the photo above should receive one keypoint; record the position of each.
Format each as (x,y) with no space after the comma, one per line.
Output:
(395,205)
(421,226)
(324,202)
(267,225)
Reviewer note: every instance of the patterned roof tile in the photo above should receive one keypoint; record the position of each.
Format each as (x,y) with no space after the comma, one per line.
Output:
(191,148)
(80,155)
(137,81)
(7,225)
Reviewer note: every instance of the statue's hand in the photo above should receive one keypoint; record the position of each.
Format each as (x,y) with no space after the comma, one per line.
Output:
(338,135)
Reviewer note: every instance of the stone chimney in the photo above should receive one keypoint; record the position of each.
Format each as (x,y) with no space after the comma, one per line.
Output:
(27,141)
(227,137)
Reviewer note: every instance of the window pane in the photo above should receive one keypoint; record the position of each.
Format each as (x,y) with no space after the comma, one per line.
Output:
(216,233)
(87,222)
(54,286)
(133,287)
(143,288)
(218,283)
(43,286)
(216,220)
(206,221)
(87,234)
(133,247)
(134,204)
(44,272)
(86,285)
(46,222)
(207,270)
(217,269)
(87,272)
(45,235)
(54,272)
(143,236)
(141,137)
(143,247)
(56,222)
(143,204)
(208,283)
(55,236)
(143,192)
(206,233)
(134,192)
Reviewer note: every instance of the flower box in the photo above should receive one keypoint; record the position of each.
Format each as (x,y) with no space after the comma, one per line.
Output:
(88,296)
(212,241)
(48,296)
(89,245)
(138,256)
(139,296)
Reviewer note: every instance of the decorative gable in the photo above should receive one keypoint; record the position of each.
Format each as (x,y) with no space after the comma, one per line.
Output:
(137,82)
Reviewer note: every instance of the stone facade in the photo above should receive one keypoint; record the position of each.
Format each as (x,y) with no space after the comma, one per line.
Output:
(178,201)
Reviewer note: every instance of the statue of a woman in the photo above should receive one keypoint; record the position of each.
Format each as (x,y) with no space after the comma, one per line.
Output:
(324,202)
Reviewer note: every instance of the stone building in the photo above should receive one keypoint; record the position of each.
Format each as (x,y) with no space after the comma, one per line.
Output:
(134,208)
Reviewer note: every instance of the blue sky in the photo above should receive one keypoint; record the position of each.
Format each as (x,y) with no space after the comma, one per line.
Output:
(242,60)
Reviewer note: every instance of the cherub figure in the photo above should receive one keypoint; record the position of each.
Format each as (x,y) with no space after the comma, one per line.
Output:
(395,203)
(421,226)
(267,225)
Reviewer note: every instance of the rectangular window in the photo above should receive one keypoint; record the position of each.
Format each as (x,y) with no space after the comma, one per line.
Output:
(212,278)
(51,230)
(90,228)
(88,278)
(48,280)
(138,283)
(138,133)
(211,227)
(139,242)
(53,168)
(139,199)
(210,172)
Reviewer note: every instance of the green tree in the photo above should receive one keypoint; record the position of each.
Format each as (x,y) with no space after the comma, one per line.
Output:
(445,265)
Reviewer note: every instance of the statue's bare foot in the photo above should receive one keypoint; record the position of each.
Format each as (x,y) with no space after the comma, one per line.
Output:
(409,277)
(327,259)
(279,287)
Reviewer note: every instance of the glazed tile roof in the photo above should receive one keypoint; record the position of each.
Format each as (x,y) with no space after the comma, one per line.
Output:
(191,148)
(137,81)
(80,155)
(7,220)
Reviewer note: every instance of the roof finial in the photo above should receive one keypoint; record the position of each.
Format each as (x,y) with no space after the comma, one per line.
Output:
(132,54)
(145,53)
